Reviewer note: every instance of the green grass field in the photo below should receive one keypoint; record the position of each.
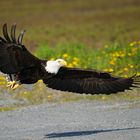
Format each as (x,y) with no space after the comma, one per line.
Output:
(103,35)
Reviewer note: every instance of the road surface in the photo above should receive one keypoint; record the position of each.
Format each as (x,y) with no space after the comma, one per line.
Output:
(84,120)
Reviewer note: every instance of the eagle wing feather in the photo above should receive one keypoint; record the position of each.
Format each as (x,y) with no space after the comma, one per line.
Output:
(89,81)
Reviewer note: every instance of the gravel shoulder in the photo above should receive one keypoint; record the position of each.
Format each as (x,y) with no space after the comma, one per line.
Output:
(74,120)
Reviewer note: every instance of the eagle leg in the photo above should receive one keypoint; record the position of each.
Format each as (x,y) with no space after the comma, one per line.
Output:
(12,84)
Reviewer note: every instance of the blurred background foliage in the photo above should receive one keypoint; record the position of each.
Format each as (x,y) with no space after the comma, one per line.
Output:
(99,34)
(89,22)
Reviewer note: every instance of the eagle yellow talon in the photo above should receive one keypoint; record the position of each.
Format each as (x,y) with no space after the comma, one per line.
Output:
(15,86)
(12,84)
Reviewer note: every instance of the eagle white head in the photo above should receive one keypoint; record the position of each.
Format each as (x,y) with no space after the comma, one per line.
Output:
(53,66)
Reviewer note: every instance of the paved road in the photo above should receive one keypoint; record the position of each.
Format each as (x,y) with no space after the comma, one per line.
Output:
(73,121)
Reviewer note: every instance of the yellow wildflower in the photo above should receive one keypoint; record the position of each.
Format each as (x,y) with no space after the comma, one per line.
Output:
(130,54)
(125,69)
(134,50)
(110,70)
(76,58)
(132,44)
(122,54)
(74,63)
(70,65)
(52,59)
(130,66)
(138,73)
(112,62)
(65,55)
(117,54)
(126,76)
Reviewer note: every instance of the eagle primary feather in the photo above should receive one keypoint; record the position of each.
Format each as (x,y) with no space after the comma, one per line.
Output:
(22,66)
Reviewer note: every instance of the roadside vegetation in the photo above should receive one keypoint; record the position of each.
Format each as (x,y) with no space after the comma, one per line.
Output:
(102,35)
(118,58)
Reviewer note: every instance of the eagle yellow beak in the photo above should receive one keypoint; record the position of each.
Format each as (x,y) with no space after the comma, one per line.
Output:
(63,63)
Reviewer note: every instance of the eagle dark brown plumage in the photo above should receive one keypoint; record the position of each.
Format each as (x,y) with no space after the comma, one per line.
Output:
(23,67)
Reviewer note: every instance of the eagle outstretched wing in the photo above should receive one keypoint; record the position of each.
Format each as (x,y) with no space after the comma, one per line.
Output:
(89,81)
(14,57)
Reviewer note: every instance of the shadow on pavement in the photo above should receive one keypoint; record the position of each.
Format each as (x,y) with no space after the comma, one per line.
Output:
(84,133)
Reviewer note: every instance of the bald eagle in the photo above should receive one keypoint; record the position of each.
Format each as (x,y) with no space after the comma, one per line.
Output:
(24,68)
